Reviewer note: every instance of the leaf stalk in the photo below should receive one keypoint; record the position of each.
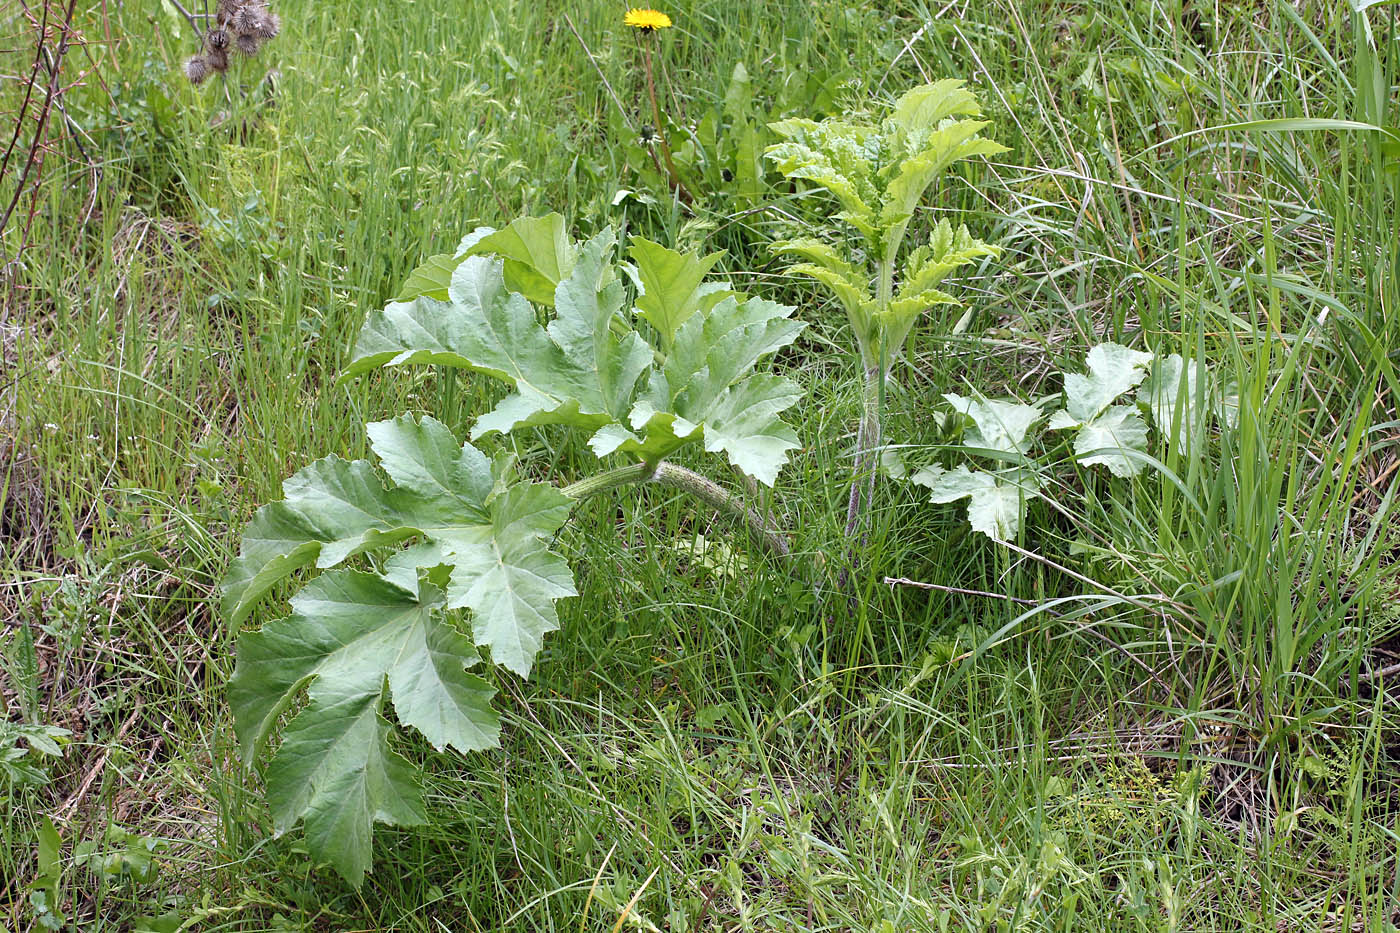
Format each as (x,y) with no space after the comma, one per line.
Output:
(678,477)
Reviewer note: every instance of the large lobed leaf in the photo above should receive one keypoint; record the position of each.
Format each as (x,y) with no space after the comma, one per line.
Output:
(482,544)
(589,369)
(348,633)
(493,539)
(578,371)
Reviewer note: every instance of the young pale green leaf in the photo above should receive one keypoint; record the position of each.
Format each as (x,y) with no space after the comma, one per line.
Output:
(924,107)
(903,312)
(1113,370)
(708,391)
(671,286)
(538,255)
(880,174)
(845,281)
(997,501)
(840,157)
(997,425)
(1109,437)
(946,251)
(493,541)
(348,634)
(828,257)
(950,143)
(1177,393)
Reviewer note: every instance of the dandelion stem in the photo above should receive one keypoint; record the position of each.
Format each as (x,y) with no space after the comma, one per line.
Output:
(676,184)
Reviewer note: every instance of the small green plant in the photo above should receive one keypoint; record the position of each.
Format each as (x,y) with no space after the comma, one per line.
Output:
(879,174)
(403,624)
(24,750)
(46,887)
(1176,393)
(122,856)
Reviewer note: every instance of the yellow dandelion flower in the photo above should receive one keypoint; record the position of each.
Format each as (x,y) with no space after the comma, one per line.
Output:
(646,20)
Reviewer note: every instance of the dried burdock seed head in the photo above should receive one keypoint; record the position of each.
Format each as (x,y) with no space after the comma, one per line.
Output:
(266,23)
(217,40)
(197,69)
(247,44)
(243,21)
(217,59)
(226,10)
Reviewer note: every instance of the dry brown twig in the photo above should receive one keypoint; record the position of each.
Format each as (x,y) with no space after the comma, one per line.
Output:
(33,132)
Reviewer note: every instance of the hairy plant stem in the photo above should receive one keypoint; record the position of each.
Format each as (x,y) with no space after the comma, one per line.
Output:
(676,477)
(676,184)
(868,437)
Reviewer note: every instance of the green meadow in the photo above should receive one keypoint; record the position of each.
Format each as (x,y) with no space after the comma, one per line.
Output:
(1154,689)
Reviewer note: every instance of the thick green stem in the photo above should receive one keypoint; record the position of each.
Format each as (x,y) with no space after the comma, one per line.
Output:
(675,477)
(868,439)
(610,479)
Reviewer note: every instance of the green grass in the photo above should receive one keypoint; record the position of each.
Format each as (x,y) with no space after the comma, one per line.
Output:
(714,743)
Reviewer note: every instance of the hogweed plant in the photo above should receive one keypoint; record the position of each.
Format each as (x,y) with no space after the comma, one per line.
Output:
(438,550)
(879,174)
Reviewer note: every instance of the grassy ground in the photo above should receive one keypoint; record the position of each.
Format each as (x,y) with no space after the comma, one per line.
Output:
(701,747)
